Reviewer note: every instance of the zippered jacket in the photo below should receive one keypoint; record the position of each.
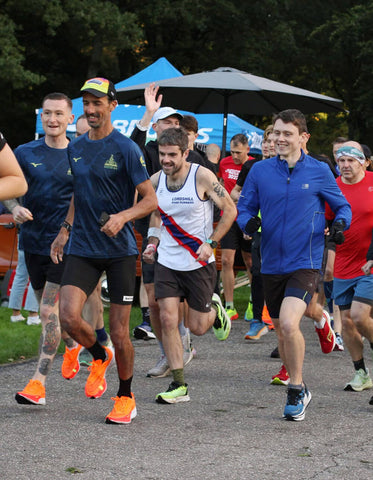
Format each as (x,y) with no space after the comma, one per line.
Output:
(292,208)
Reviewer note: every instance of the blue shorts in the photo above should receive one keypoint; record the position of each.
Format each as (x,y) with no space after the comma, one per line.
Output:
(359,289)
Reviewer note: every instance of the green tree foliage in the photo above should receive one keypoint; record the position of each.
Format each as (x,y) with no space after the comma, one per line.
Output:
(345,46)
(54,45)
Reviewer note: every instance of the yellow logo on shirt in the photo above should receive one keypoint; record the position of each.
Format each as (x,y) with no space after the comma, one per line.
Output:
(111,163)
(142,161)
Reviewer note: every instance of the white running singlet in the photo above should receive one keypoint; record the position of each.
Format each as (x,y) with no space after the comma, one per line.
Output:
(187,222)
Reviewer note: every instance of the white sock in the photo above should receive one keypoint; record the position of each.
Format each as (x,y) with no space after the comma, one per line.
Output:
(320,324)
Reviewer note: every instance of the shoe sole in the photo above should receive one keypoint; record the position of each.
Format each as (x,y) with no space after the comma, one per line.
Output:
(262,332)
(141,334)
(162,375)
(171,401)
(300,416)
(84,363)
(189,359)
(278,381)
(116,421)
(27,401)
(350,388)
(338,348)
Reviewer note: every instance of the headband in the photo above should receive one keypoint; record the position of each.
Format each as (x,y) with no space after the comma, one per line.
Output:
(352,152)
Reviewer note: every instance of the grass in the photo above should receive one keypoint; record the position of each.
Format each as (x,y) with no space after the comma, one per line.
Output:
(20,341)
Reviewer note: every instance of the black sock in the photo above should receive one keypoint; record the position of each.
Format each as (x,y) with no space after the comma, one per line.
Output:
(145,315)
(125,388)
(101,335)
(360,365)
(97,351)
(371,345)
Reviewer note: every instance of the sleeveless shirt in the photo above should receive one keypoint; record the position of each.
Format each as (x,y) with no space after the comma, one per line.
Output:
(187,221)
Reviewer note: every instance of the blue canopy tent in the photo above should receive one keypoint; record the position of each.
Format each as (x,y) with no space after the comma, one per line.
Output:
(124,117)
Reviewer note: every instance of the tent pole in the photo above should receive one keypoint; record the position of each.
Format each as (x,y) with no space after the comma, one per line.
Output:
(225,125)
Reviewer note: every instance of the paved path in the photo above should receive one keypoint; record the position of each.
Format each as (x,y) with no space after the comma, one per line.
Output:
(231,429)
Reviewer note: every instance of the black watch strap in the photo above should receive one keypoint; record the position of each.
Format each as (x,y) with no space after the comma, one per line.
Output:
(66,225)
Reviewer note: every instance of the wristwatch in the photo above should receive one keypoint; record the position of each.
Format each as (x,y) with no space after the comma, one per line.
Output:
(212,243)
(66,225)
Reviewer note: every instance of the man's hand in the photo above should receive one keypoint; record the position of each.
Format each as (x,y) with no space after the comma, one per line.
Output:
(21,214)
(57,246)
(204,252)
(148,254)
(113,225)
(366,268)
(152,103)
(336,232)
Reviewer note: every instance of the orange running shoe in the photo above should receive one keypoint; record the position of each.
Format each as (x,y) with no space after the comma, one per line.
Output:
(96,385)
(124,410)
(70,365)
(267,319)
(32,394)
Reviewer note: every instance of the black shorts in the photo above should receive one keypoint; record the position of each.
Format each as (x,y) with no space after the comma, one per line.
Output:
(196,286)
(300,284)
(84,273)
(233,240)
(41,269)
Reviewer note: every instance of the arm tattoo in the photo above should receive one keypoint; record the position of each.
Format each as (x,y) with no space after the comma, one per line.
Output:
(10,204)
(218,189)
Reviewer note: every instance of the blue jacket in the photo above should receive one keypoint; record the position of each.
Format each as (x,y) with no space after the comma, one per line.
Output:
(292,208)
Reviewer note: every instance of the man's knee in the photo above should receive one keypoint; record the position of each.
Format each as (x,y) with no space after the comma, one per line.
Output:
(227,259)
(68,317)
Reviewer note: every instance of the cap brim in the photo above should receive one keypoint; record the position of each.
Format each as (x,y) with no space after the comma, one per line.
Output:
(178,115)
(94,92)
